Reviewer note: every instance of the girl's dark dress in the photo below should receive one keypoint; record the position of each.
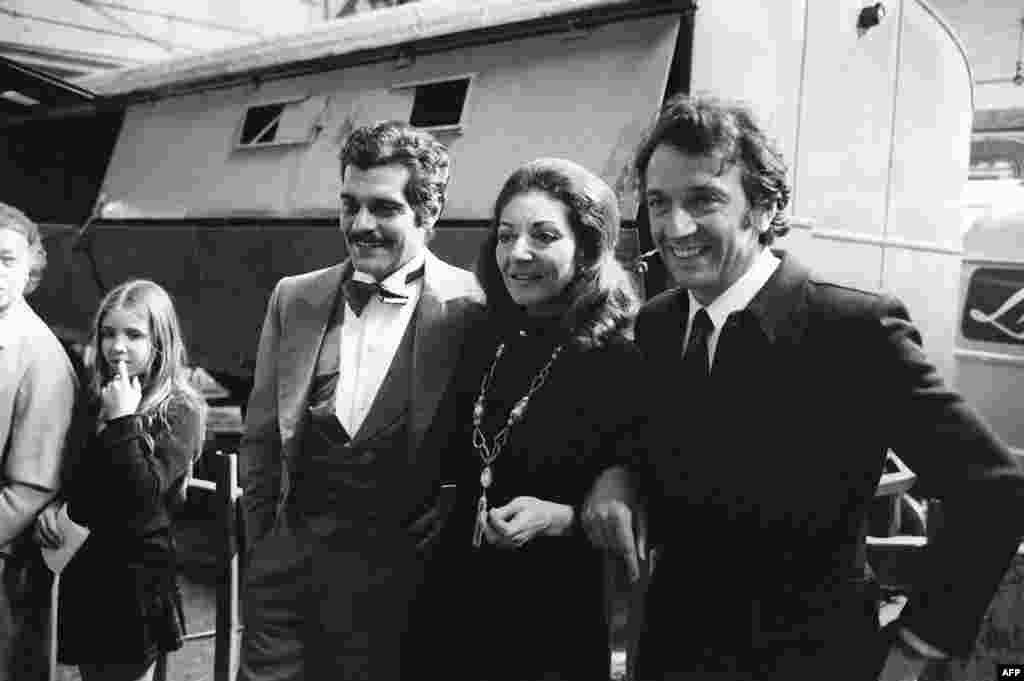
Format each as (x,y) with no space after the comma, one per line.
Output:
(536,612)
(119,601)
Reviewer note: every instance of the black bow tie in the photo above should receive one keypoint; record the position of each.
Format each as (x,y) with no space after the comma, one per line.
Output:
(358,293)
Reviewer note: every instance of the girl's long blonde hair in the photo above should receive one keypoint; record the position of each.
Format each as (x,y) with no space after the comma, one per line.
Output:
(167,378)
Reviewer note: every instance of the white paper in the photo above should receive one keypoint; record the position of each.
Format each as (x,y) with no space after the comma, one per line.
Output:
(74,536)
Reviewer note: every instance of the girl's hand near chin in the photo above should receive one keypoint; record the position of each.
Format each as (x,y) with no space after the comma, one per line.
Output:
(122,395)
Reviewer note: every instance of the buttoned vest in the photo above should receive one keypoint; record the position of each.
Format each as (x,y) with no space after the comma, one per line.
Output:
(344,480)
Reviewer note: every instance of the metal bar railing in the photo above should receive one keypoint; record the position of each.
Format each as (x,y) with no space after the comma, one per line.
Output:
(227,631)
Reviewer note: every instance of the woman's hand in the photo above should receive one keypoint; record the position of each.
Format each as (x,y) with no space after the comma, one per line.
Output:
(523,518)
(47,533)
(122,395)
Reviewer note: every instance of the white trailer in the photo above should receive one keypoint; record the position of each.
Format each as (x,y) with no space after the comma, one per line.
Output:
(224,175)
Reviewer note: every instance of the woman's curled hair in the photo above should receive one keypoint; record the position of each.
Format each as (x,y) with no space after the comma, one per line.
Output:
(600,301)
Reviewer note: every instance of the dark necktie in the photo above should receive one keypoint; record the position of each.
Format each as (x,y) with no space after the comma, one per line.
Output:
(358,293)
(695,358)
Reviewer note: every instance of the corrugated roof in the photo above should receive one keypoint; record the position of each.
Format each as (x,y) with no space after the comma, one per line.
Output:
(389,27)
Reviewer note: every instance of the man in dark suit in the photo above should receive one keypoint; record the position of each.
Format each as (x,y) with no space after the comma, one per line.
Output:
(341,501)
(782,394)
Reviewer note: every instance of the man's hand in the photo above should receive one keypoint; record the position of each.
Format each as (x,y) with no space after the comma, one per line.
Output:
(899,666)
(47,532)
(426,529)
(613,522)
(523,518)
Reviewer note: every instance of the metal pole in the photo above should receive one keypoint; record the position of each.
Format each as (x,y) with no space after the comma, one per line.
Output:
(225,663)
(54,613)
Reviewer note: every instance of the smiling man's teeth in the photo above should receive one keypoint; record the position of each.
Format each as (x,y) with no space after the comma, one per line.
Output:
(686,252)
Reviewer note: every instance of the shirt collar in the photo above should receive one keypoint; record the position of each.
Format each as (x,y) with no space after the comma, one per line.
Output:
(395,282)
(742,291)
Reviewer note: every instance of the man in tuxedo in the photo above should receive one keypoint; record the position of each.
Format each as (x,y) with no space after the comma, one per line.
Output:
(37,398)
(341,502)
(767,446)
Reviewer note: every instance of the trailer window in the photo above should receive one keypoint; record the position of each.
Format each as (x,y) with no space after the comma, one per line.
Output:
(438,105)
(275,123)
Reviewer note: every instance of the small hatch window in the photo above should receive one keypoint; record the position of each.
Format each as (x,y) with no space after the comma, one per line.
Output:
(260,124)
(438,105)
(276,123)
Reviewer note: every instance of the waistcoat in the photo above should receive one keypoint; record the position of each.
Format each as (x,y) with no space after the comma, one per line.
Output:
(344,480)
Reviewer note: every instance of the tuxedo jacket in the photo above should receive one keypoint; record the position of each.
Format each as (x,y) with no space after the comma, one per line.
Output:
(759,484)
(296,322)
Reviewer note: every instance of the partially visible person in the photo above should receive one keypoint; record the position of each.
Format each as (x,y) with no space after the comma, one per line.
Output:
(782,394)
(543,399)
(119,605)
(37,395)
(341,497)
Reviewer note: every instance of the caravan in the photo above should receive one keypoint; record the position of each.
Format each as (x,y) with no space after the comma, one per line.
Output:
(220,171)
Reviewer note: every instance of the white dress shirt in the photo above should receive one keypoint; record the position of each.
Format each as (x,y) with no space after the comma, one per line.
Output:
(368,344)
(733,299)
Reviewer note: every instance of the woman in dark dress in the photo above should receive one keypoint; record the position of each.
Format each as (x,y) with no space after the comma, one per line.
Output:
(543,400)
(143,426)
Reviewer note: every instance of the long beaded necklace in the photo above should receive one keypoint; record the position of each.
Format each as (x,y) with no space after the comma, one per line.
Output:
(488,454)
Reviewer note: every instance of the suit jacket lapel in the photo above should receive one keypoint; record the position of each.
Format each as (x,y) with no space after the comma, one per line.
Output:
(665,326)
(780,305)
(306,323)
(433,352)
(776,315)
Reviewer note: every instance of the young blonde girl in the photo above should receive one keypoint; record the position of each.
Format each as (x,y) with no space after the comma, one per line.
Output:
(119,603)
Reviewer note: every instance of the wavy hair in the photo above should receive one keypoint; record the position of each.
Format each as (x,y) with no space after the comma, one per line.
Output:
(600,299)
(166,382)
(705,124)
(418,151)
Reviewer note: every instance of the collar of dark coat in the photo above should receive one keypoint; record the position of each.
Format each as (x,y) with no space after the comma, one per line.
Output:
(780,306)
(778,309)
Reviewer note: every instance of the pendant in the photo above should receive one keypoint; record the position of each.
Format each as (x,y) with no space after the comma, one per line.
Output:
(485,477)
(478,527)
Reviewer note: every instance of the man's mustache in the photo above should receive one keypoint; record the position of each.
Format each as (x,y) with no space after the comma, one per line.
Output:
(367,237)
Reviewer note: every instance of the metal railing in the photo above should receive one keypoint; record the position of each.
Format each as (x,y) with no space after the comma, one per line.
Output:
(227,627)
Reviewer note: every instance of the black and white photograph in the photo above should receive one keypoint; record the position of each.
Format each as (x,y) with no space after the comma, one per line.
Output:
(511,340)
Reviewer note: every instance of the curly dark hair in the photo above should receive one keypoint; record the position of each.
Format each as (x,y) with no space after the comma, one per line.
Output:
(601,300)
(417,150)
(705,124)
